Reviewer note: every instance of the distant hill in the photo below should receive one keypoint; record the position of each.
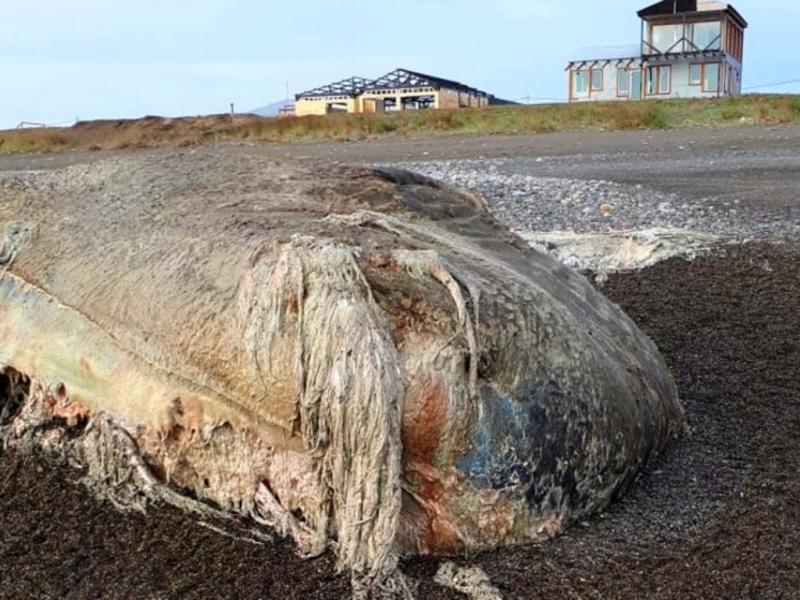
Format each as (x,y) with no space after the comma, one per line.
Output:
(270,110)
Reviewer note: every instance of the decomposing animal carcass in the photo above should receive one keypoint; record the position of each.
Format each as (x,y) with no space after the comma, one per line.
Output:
(354,356)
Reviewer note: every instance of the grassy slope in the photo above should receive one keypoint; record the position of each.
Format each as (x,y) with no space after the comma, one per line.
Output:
(151,131)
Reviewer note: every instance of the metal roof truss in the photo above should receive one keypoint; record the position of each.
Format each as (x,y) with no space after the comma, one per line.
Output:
(348,87)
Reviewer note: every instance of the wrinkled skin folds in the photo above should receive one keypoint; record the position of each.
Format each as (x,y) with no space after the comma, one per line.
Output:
(346,354)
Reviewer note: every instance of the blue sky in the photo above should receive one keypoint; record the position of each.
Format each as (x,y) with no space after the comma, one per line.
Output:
(117,58)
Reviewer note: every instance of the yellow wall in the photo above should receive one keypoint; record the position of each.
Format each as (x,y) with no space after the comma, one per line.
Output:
(309,106)
(454,99)
(370,105)
(373,102)
(319,106)
(448,99)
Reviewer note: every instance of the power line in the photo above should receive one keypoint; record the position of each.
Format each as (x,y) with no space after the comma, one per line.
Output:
(767,85)
(529,99)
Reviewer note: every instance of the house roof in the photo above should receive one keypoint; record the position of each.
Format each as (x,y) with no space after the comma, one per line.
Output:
(397,79)
(607,52)
(347,87)
(403,78)
(681,7)
(638,60)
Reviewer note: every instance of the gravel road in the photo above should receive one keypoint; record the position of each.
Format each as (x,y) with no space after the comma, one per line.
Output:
(530,195)
(739,182)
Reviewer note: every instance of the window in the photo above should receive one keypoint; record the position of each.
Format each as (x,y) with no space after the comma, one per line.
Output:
(636,84)
(622,82)
(711,77)
(706,36)
(581,82)
(597,80)
(665,80)
(695,74)
(659,80)
(665,37)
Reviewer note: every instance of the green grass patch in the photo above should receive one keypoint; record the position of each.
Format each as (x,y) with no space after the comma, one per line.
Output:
(600,116)
(385,126)
(657,117)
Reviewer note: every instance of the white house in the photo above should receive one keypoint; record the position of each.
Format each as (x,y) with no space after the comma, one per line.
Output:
(688,49)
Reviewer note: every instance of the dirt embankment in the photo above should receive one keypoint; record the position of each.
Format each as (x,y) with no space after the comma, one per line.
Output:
(717,517)
(119,134)
(595,116)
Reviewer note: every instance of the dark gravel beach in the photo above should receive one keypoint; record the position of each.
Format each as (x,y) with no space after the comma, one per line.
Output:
(717,517)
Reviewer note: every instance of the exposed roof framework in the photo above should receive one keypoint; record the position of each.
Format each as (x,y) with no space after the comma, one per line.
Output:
(601,63)
(347,87)
(674,56)
(397,79)
(638,61)
(403,78)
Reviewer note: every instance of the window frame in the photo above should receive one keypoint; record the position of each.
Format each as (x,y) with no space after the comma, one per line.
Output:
(716,39)
(717,86)
(575,76)
(627,77)
(678,28)
(661,80)
(637,95)
(658,91)
(602,72)
(698,82)
(650,85)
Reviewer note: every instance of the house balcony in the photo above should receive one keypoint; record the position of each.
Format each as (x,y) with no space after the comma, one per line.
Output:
(692,56)
(694,39)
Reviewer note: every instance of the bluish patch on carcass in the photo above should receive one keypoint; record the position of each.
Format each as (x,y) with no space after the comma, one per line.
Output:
(531,445)
(500,449)
(560,430)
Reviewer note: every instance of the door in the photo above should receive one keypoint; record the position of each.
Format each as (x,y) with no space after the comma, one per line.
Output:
(636,85)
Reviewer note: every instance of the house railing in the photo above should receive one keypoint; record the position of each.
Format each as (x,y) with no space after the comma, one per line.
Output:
(683,44)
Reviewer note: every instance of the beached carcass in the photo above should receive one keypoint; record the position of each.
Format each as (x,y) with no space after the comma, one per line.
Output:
(363,359)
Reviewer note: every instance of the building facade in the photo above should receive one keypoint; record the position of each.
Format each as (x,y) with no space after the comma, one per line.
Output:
(688,49)
(396,91)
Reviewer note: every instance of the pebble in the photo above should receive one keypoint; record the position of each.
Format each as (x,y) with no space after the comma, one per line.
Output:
(524,201)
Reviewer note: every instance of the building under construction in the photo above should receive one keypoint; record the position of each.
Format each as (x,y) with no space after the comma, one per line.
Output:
(396,91)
